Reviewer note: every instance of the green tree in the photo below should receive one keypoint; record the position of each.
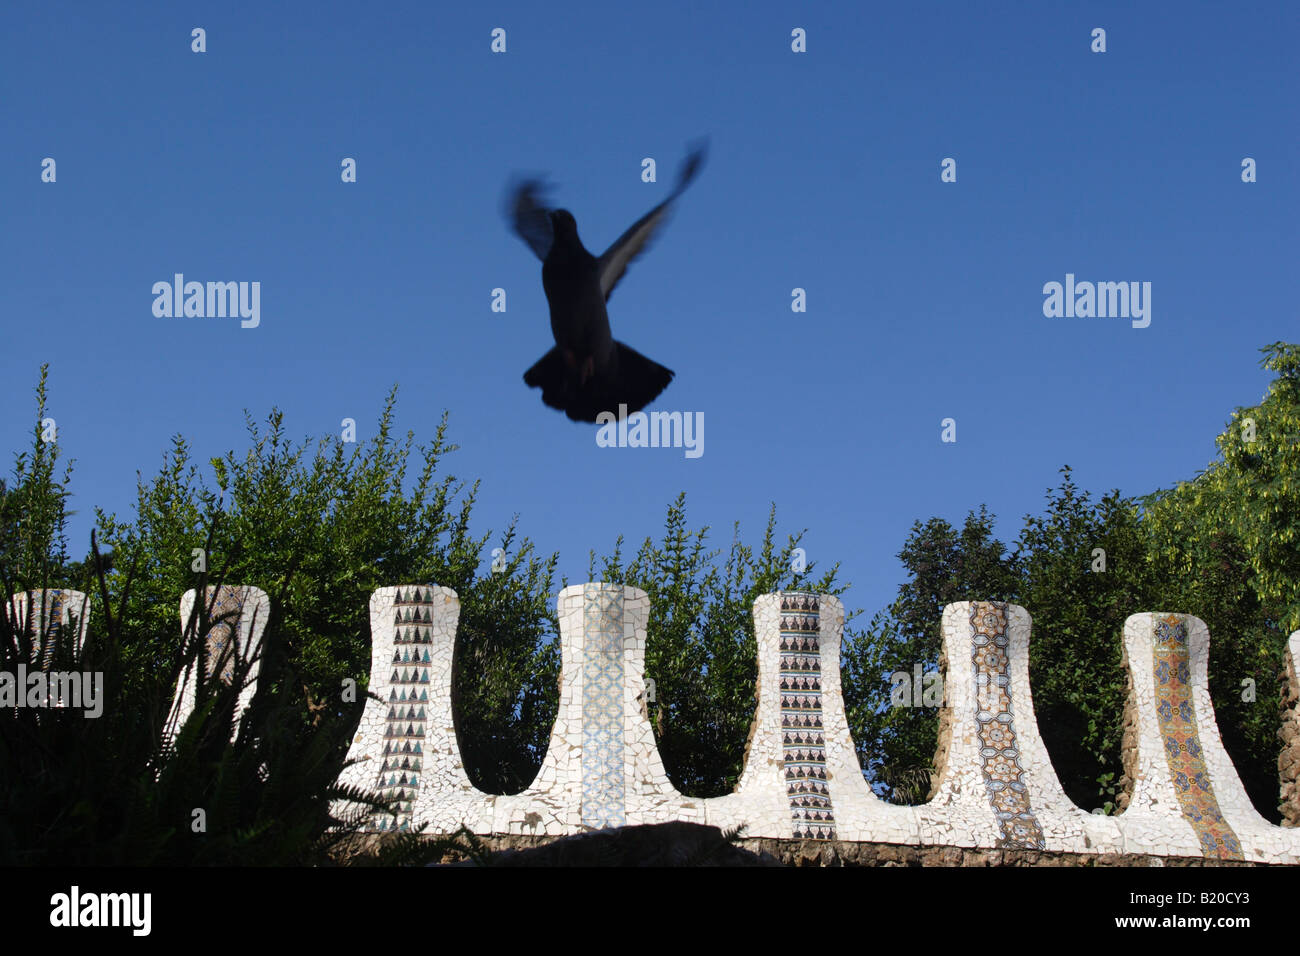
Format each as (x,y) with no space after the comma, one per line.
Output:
(323,528)
(505,684)
(34,512)
(701,653)
(1226,547)
(896,745)
(108,787)
(1079,598)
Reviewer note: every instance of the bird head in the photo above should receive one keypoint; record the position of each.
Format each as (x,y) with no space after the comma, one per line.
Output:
(564,224)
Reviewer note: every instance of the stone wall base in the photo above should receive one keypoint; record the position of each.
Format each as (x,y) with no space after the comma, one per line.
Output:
(690,843)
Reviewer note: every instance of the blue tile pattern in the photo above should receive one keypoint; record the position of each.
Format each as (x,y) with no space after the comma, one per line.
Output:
(603,801)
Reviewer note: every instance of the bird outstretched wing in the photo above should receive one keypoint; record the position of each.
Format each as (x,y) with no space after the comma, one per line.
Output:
(530,217)
(632,243)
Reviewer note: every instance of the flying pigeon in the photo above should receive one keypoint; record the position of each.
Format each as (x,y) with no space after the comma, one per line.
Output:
(588,372)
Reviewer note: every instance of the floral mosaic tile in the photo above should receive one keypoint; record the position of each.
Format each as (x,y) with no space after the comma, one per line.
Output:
(1004,776)
(1176,714)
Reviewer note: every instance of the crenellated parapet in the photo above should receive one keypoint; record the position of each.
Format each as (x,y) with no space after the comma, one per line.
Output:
(995,788)
(801,778)
(602,767)
(1187,798)
(405,746)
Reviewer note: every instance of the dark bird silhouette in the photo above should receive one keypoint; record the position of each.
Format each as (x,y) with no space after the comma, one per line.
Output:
(588,372)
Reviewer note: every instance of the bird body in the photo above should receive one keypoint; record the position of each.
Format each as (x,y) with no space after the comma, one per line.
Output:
(579,320)
(588,372)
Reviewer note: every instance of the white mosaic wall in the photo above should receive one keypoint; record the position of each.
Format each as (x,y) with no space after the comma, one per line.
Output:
(762,801)
(237,618)
(801,777)
(405,745)
(602,767)
(1188,799)
(998,788)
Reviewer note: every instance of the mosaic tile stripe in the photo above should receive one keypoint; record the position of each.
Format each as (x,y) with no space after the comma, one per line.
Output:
(603,791)
(803,736)
(237,617)
(402,761)
(1176,714)
(224,614)
(995,722)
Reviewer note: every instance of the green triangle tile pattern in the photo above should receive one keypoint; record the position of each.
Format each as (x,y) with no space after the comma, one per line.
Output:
(402,761)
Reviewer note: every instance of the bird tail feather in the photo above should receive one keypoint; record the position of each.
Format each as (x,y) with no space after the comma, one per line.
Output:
(630,380)
(551,376)
(633,380)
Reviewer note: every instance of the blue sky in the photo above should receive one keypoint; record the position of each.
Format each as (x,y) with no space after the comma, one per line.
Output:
(924,299)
